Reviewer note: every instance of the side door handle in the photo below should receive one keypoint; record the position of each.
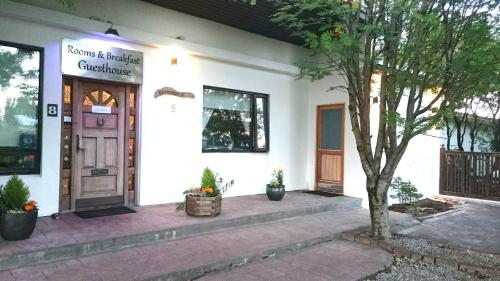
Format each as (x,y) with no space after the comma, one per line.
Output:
(78,143)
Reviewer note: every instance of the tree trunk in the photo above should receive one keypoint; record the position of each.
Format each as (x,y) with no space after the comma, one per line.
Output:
(472,142)
(379,212)
(449,133)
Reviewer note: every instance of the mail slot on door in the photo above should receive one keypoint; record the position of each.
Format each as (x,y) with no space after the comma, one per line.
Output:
(100,121)
(98,172)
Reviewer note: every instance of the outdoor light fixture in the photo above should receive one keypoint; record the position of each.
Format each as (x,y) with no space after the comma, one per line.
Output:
(111,31)
(173,60)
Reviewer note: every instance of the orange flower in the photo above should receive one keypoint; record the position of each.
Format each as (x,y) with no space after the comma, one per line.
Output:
(28,207)
(207,189)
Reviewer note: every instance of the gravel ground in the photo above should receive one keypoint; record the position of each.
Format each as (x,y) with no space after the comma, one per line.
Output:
(431,248)
(407,270)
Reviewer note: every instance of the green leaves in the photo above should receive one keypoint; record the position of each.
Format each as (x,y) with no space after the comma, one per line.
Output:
(13,195)
(405,191)
(208,178)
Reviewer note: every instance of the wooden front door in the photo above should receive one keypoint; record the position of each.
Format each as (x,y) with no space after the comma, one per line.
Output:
(98,145)
(330,148)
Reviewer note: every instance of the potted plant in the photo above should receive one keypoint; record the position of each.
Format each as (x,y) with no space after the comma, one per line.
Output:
(205,200)
(17,215)
(275,189)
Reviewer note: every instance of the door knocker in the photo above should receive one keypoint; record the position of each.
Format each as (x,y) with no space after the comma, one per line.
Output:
(100,121)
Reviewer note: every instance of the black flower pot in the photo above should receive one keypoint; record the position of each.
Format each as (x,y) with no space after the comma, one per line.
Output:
(18,226)
(275,193)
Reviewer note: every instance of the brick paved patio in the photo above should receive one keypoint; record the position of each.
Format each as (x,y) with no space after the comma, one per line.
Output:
(158,243)
(171,260)
(475,226)
(333,261)
(72,229)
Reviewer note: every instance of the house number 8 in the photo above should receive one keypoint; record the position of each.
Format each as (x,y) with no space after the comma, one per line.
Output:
(52,110)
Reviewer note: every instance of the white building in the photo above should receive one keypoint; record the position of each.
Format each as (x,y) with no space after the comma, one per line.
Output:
(107,150)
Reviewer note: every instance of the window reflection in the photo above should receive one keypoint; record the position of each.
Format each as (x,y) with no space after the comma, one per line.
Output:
(233,121)
(19,94)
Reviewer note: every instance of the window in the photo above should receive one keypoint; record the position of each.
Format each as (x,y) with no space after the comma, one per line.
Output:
(20,108)
(234,121)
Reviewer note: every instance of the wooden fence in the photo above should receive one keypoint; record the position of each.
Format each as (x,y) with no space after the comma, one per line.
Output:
(470,174)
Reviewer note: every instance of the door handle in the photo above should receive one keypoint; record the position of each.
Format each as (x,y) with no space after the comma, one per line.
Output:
(78,143)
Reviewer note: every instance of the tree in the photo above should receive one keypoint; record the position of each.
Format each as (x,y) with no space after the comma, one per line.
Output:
(493,103)
(474,121)
(476,74)
(414,46)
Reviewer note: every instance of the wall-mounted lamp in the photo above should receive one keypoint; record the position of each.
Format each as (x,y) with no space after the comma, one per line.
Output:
(111,31)
(173,60)
(173,92)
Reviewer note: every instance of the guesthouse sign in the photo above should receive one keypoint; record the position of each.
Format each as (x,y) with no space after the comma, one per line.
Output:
(94,60)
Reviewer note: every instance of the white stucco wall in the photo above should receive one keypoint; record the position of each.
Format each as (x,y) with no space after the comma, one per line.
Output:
(170,158)
(139,15)
(354,177)
(420,164)
(44,187)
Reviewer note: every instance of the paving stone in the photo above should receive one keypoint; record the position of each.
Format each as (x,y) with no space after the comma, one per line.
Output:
(6,276)
(470,268)
(447,262)
(219,250)
(475,226)
(429,259)
(312,264)
(33,272)
(401,252)
(363,240)
(416,257)
(348,236)
(72,234)
(386,246)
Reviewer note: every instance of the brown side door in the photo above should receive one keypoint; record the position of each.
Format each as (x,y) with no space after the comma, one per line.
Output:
(330,148)
(98,141)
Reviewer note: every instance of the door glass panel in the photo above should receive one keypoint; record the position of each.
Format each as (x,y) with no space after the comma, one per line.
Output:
(67,94)
(101,98)
(105,96)
(88,101)
(111,103)
(132,100)
(331,129)
(95,95)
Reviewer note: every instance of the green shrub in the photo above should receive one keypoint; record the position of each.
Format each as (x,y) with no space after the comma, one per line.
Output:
(208,178)
(13,195)
(277,179)
(210,183)
(406,192)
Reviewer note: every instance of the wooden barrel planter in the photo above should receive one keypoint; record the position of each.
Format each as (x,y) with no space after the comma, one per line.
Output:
(203,206)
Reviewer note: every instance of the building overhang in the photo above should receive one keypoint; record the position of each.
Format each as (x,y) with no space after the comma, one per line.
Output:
(254,19)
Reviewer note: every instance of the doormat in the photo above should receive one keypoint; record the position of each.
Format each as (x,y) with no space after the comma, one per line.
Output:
(322,193)
(104,212)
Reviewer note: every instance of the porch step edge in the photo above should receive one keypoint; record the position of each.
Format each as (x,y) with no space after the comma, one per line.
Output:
(234,262)
(118,243)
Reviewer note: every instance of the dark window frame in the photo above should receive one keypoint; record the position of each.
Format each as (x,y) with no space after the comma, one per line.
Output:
(253,123)
(38,154)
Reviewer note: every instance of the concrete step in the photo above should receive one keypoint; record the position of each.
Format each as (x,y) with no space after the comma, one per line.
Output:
(335,260)
(117,242)
(193,257)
